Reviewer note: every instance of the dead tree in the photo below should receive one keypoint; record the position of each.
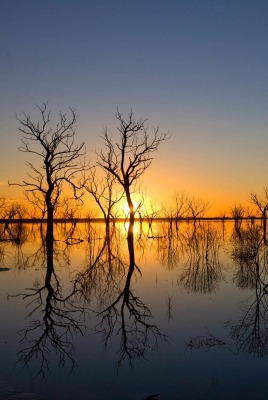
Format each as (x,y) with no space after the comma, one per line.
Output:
(181,205)
(129,155)
(196,208)
(261,202)
(61,159)
(150,212)
(237,213)
(3,207)
(104,192)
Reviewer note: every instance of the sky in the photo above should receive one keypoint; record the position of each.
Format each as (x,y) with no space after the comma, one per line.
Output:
(195,68)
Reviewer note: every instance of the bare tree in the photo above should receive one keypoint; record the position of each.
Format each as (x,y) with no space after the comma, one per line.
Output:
(3,206)
(197,207)
(129,156)
(150,211)
(61,159)
(14,210)
(178,209)
(237,213)
(261,202)
(10,210)
(181,205)
(70,209)
(104,192)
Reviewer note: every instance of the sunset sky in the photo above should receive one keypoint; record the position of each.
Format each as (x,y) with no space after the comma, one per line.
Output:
(197,69)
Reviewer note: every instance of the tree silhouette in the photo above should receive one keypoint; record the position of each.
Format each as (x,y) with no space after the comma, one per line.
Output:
(196,207)
(261,202)
(129,156)
(237,213)
(61,159)
(104,192)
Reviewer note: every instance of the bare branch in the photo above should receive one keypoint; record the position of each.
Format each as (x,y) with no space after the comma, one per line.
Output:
(129,155)
(61,159)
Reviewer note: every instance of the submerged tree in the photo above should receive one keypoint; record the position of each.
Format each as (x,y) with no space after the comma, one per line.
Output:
(104,192)
(237,213)
(197,207)
(10,210)
(183,205)
(61,159)
(3,207)
(261,202)
(129,156)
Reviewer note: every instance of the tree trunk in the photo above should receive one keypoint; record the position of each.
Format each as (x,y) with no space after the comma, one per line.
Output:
(264,227)
(50,216)
(130,206)
(131,251)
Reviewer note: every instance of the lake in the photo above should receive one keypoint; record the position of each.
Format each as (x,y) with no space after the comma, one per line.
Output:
(177,310)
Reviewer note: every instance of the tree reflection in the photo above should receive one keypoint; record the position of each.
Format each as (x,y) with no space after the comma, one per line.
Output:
(249,330)
(250,256)
(15,235)
(202,272)
(57,316)
(196,247)
(122,313)
(59,309)
(170,246)
(104,267)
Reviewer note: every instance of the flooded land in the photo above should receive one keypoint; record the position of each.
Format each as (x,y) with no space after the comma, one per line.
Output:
(128,311)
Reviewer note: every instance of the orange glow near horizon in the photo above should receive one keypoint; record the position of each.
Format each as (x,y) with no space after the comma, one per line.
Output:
(160,195)
(122,209)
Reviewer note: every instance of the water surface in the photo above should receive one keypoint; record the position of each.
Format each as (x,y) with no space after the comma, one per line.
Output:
(174,309)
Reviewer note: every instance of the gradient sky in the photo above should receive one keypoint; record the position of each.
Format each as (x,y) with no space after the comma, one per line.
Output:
(198,69)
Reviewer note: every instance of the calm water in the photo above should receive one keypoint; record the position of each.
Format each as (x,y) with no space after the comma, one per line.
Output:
(182,314)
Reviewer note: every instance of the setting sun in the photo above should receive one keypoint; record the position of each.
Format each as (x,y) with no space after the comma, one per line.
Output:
(123,209)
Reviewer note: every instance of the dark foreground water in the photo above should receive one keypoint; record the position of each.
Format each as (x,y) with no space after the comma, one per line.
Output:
(182,314)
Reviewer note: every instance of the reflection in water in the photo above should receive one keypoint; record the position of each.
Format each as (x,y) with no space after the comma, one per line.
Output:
(249,330)
(104,293)
(57,315)
(206,341)
(202,272)
(170,246)
(104,285)
(250,256)
(104,267)
(121,312)
(197,248)
(17,234)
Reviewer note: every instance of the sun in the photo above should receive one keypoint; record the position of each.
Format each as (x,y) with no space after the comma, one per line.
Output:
(123,209)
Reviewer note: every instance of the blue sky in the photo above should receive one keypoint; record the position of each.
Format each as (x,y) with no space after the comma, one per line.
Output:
(198,69)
